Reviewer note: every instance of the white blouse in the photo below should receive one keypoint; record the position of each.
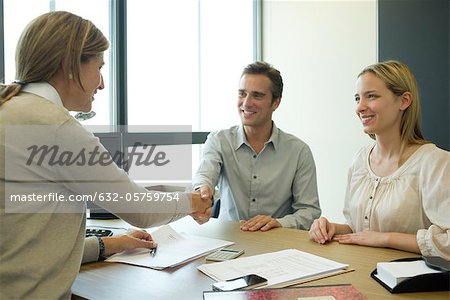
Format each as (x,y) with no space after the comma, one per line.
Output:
(415,199)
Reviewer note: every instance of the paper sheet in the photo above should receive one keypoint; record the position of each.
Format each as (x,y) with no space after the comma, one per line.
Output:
(173,249)
(280,268)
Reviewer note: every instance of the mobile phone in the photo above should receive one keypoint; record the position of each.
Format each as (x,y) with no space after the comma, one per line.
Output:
(224,254)
(244,282)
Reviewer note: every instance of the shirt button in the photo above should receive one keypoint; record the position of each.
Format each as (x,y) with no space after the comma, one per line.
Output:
(254,156)
(253,199)
(254,176)
(370,197)
(366,217)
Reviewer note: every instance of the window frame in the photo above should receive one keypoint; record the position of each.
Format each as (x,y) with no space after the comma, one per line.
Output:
(2,44)
(118,63)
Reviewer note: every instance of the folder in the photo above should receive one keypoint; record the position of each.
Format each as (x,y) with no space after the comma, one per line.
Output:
(336,292)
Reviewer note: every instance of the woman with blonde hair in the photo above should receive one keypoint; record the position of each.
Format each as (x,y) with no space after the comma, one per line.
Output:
(398,190)
(58,69)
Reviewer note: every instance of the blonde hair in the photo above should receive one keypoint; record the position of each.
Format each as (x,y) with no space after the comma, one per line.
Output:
(399,79)
(50,41)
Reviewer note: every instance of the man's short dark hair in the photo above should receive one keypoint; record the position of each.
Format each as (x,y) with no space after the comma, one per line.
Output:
(263,68)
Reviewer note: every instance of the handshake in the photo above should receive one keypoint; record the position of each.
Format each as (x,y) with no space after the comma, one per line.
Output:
(201,203)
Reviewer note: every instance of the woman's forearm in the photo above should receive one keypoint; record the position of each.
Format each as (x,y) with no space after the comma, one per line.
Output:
(402,241)
(342,229)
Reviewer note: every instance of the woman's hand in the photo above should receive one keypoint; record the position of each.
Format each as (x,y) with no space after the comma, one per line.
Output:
(364,238)
(130,241)
(395,240)
(322,230)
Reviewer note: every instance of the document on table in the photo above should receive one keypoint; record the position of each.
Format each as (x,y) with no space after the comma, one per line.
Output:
(281,268)
(173,249)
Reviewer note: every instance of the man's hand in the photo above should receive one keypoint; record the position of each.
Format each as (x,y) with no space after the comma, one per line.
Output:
(260,222)
(206,193)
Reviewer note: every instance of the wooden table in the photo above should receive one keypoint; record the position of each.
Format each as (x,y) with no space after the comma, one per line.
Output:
(104,280)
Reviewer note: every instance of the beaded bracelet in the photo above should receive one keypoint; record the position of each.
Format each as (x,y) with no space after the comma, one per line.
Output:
(101,246)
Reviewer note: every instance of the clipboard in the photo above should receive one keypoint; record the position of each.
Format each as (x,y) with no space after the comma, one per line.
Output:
(421,283)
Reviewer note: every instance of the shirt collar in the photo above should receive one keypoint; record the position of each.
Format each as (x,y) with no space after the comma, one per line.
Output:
(274,138)
(241,139)
(44,90)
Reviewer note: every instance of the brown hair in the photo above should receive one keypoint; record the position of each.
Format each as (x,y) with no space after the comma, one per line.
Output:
(52,40)
(263,68)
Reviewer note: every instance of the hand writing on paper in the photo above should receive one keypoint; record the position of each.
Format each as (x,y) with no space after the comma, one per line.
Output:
(132,240)
(259,222)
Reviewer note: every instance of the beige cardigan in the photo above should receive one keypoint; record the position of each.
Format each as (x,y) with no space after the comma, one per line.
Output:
(40,253)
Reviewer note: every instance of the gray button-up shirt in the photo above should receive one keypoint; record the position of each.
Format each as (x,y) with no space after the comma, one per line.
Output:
(280,181)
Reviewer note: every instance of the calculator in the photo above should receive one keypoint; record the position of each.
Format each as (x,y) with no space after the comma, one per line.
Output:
(98,232)
(224,254)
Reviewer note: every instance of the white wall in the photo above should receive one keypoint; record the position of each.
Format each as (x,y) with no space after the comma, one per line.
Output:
(320,47)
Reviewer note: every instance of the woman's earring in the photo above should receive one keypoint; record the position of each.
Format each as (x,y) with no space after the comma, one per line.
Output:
(70,76)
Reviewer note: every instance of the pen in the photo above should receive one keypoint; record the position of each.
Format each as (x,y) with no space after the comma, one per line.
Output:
(153,251)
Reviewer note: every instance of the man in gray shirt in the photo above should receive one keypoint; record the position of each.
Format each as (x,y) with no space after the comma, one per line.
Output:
(266,177)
